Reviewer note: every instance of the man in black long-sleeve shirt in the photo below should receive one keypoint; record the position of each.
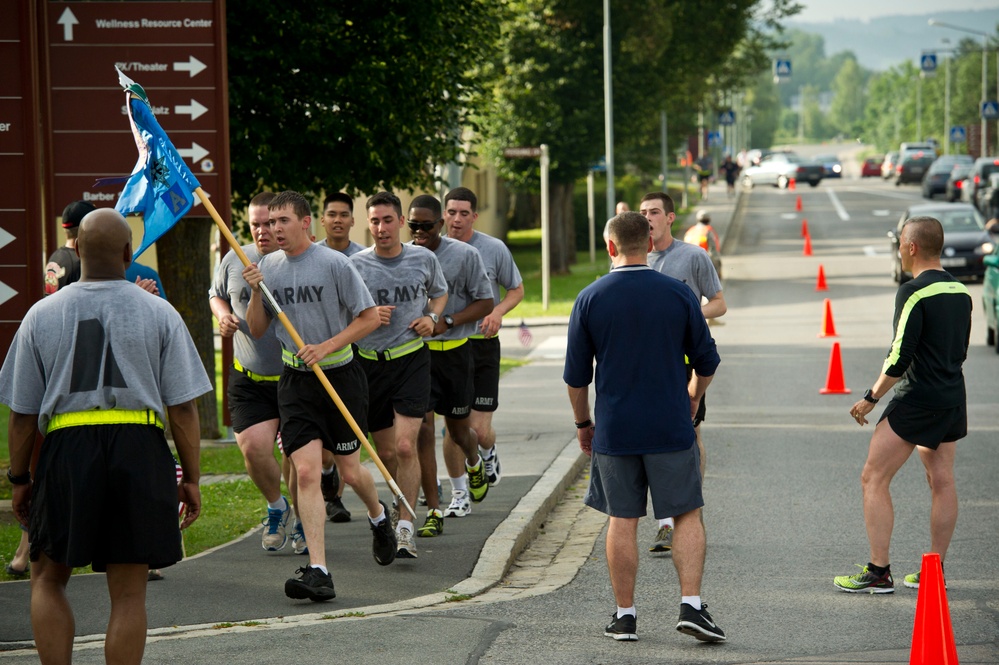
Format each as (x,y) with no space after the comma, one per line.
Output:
(929,409)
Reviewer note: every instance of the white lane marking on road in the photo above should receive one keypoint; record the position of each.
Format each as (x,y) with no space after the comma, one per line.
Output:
(869,250)
(788,215)
(881,213)
(840,210)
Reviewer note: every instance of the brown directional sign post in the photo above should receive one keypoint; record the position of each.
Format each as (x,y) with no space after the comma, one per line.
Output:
(20,168)
(175,51)
(521,152)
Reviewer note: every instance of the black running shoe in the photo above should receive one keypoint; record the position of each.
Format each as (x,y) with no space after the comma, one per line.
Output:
(699,624)
(336,511)
(313,584)
(330,485)
(384,545)
(622,629)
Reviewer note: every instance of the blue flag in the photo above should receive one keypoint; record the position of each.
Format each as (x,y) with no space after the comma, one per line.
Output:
(161,186)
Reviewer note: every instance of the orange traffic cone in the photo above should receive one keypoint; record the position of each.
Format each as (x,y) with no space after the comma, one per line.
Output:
(820,285)
(804,228)
(797,203)
(828,327)
(792,183)
(808,245)
(835,384)
(932,635)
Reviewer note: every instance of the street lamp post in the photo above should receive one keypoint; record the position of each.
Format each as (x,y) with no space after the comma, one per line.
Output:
(985,47)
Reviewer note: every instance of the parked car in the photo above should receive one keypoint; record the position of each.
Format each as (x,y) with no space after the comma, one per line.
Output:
(913,166)
(988,197)
(955,182)
(754,156)
(888,166)
(966,242)
(990,298)
(935,181)
(779,168)
(979,177)
(871,167)
(831,166)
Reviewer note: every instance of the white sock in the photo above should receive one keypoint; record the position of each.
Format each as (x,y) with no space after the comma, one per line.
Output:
(666,522)
(378,520)
(322,568)
(621,611)
(693,601)
(486,453)
(478,461)
(280,504)
(459,484)
(328,471)
(405,524)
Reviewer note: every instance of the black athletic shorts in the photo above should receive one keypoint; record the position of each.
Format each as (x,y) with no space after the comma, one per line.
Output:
(309,413)
(485,373)
(926,427)
(701,408)
(251,402)
(451,382)
(619,484)
(398,386)
(106,494)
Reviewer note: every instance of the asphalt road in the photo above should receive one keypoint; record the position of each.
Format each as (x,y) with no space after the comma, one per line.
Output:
(783,509)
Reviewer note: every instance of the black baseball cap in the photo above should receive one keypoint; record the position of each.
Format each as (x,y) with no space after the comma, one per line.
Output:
(75,212)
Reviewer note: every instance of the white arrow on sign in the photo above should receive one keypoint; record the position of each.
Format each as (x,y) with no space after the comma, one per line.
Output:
(67,20)
(193,66)
(6,238)
(195,109)
(195,153)
(6,293)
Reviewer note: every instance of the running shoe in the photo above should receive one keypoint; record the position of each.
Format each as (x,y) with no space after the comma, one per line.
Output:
(622,629)
(494,472)
(460,505)
(276,532)
(329,483)
(298,539)
(699,624)
(865,582)
(478,485)
(383,545)
(912,581)
(664,540)
(394,513)
(434,526)
(407,548)
(313,584)
(336,511)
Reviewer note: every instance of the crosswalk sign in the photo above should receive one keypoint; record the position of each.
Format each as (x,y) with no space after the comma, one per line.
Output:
(782,68)
(928,63)
(726,117)
(957,134)
(990,110)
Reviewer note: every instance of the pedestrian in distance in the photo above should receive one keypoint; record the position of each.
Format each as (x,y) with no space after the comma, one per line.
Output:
(730,170)
(469,298)
(687,263)
(325,299)
(636,450)
(460,215)
(97,391)
(928,410)
(338,220)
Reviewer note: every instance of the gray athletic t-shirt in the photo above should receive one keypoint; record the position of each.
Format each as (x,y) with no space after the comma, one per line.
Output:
(691,265)
(261,356)
(100,345)
(319,290)
(406,281)
(467,282)
(500,267)
(352,247)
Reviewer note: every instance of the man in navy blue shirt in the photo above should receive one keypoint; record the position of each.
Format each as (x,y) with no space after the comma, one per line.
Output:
(639,343)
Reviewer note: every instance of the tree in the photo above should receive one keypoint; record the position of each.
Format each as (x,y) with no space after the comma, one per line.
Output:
(846,114)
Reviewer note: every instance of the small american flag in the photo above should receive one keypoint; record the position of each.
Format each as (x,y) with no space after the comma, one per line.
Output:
(525,334)
(180,475)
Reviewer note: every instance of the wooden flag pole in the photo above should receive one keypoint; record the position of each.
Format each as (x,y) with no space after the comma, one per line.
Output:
(299,343)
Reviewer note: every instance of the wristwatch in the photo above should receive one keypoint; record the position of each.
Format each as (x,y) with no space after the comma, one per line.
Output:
(22,479)
(869,396)
(434,316)
(449,320)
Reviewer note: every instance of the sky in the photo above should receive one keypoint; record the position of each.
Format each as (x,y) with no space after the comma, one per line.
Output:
(829,10)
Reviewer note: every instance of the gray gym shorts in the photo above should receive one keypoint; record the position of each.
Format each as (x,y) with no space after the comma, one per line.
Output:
(620,484)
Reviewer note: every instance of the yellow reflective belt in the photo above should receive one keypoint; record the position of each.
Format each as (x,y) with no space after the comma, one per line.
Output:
(445,344)
(253,375)
(396,352)
(104,417)
(477,336)
(336,358)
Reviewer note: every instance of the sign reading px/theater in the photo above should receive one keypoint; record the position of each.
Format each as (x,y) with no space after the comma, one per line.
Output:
(175,50)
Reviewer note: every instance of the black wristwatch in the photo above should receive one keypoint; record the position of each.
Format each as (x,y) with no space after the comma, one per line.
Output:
(583,425)
(449,320)
(869,396)
(22,479)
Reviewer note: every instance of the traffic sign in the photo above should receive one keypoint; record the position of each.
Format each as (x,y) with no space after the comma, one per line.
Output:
(521,152)
(990,110)
(726,117)
(782,69)
(174,50)
(958,134)
(714,139)
(928,62)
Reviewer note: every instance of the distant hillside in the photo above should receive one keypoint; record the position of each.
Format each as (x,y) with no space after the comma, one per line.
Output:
(884,42)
